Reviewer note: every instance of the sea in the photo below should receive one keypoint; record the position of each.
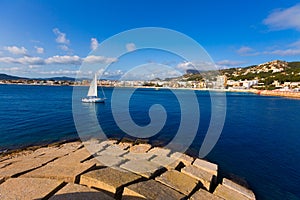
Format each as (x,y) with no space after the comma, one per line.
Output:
(259,144)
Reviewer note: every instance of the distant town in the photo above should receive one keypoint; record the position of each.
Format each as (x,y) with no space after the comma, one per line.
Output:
(275,75)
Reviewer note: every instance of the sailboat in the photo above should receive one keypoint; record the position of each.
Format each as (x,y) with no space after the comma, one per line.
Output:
(92,96)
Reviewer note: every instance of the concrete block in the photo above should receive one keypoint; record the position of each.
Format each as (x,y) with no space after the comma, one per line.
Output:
(142,167)
(74,157)
(23,166)
(229,194)
(203,194)
(110,161)
(28,188)
(150,190)
(234,186)
(178,181)
(203,176)
(108,179)
(140,148)
(67,173)
(187,160)
(159,151)
(207,166)
(165,161)
(113,150)
(79,192)
(138,156)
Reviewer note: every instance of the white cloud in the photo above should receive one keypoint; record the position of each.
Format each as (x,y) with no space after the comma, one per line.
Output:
(31,60)
(244,50)
(66,59)
(60,72)
(16,50)
(295,44)
(73,60)
(24,60)
(130,47)
(196,65)
(94,43)
(39,50)
(285,52)
(99,59)
(229,63)
(281,19)
(64,47)
(61,37)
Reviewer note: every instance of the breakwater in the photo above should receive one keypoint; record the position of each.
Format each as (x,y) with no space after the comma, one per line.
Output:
(111,170)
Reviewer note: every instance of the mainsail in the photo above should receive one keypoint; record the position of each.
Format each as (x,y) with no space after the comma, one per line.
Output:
(93,88)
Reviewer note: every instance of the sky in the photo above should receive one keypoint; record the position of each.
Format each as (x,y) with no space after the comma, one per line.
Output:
(54,37)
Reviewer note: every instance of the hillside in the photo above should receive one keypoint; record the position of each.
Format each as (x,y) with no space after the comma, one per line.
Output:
(266,73)
(9,77)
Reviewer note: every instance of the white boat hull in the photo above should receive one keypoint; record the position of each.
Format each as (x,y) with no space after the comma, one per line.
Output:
(93,100)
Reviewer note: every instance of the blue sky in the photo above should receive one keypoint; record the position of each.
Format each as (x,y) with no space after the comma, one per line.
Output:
(52,38)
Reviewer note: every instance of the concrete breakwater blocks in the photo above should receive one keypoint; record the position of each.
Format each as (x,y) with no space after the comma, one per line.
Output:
(75,191)
(28,188)
(203,194)
(178,181)
(207,166)
(111,170)
(144,168)
(197,173)
(230,184)
(150,190)
(109,179)
(65,173)
(185,159)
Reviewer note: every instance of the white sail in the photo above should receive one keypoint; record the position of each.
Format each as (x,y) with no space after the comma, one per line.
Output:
(93,88)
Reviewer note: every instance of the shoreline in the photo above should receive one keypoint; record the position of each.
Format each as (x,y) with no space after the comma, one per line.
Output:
(78,167)
(274,93)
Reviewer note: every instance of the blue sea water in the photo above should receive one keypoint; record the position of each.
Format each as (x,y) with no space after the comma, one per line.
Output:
(259,142)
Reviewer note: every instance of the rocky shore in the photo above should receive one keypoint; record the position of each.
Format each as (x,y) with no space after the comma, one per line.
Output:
(112,170)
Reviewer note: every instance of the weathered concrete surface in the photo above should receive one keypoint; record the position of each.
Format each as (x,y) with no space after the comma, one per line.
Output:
(229,194)
(95,162)
(108,179)
(74,157)
(125,145)
(165,161)
(4,164)
(23,166)
(140,148)
(28,188)
(67,173)
(68,162)
(142,167)
(207,166)
(95,147)
(150,190)
(110,161)
(109,142)
(248,193)
(185,159)
(203,176)
(79,192)
(205,195)
(138,156)
(113,150)
(178,181)
(159,151)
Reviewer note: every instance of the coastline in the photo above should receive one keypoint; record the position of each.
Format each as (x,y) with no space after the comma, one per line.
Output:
(275,93)
(62,170)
